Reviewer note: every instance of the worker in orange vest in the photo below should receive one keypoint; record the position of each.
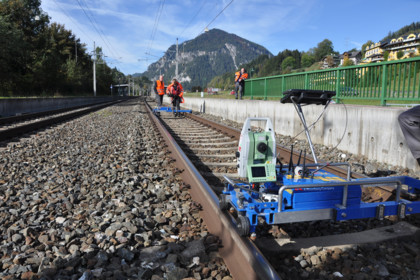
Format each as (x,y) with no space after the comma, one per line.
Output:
(159,89)
(240,78)
(176,92)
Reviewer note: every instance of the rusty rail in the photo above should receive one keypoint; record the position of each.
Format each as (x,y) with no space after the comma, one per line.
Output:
(10,133)
(242,257)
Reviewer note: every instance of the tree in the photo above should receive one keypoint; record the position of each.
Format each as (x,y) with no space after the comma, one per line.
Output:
(386,55)
(414,27)
(323,48)
(330,61)
(348,62)
(307,60)
(12,56)
(288,63)
(400,54)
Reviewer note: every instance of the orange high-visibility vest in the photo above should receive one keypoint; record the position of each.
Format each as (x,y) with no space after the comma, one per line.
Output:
(171,90)
(237,75)
(160,87)
(244,76)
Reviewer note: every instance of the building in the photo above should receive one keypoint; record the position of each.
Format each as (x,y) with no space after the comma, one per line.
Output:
(330,61)
(355,56)
(408,45)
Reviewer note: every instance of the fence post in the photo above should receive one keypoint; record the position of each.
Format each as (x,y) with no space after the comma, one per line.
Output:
(306,81)
(383,84)
(252,90)
(337,86)
(265,89)
(282,84)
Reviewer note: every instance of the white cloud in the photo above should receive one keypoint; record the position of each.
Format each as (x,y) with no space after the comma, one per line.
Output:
(127,25)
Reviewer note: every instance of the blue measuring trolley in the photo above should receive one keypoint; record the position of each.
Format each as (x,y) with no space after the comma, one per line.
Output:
(303,192)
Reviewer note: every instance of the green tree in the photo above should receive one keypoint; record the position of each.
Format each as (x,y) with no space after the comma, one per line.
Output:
(288,63)
(400,54)
(307,60)
(348,62)
(12,56)
(323,48)
(386,55)
(414,27)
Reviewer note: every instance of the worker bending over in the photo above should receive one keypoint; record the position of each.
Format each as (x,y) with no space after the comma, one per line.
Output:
(175,91)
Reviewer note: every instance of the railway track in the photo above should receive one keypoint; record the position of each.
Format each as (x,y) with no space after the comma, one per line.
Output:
(209,151)
(243,258)
(381,193)
(11,127)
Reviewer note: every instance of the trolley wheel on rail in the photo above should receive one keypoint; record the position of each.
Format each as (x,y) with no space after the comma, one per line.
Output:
(243,225)
(223,203)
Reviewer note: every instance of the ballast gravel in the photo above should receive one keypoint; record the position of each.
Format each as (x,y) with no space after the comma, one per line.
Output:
(98,197)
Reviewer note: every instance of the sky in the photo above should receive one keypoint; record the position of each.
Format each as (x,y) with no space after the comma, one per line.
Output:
(135,33)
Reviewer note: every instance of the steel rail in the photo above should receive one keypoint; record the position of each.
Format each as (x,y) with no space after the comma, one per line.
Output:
(243,258)
(28,116)
(10,133)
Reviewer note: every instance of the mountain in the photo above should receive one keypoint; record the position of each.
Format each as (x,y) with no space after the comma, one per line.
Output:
(199,60)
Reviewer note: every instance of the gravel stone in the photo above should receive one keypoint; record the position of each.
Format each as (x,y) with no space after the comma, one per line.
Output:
(95,198)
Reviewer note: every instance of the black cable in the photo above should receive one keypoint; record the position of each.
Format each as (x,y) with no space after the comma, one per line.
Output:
(188,24)
(216,16)
(313,124)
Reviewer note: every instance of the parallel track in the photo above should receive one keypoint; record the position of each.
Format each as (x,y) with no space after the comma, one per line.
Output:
(47,119)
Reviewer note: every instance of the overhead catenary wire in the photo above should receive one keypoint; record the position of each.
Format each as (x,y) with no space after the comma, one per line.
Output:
(91,21)
(109,45)
(196,14)
(155,25)
(69,17)
(160,11)
(216,16)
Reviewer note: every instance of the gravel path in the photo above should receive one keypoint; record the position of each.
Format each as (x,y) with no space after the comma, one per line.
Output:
(99,198)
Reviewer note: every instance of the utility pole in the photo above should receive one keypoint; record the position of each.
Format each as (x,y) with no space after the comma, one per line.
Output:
(176,60)
(94,69)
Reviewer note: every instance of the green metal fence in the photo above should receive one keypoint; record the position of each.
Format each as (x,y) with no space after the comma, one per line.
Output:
(386,81)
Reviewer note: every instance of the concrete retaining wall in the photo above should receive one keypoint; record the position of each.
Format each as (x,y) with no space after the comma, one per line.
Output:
(11,107)
(371,131)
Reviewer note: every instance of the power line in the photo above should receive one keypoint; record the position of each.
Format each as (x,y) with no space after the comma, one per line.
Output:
(110,46)
(68,16)
(155,25)
(94,26)
(216,16)
(188,24)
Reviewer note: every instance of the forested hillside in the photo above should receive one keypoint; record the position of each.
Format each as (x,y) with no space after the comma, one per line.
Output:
(284,62)
(287,61)
(39,58)
(406,30)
